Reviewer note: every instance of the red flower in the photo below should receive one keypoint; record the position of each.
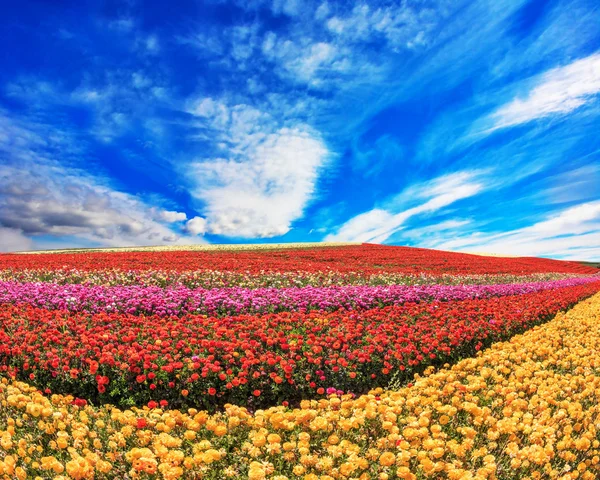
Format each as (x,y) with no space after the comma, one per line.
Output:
(374,344)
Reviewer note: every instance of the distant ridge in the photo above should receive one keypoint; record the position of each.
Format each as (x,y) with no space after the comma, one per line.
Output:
(488,254)
(197,247)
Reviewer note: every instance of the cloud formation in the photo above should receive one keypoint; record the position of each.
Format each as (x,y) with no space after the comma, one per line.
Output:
(171,216)
(55,201)
(14,240)
(558,91)
(265,177)
(378,225)
(571,233)
(40,196)
(196,226)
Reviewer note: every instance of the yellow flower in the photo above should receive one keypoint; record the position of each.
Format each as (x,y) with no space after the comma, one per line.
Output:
(387,459)
(529,403)
(298,470)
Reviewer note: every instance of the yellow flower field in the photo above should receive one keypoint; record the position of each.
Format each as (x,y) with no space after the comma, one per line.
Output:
(524,409)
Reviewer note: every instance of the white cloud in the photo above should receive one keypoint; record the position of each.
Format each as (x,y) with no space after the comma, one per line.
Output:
(378,225)
(574,220)
(269,43)
(40,195)
(335,25)
(401,26)
(320,53)
(322,63)
(210,109)
(559,91)
(322,12)
(302,60)
(171,216)
(13,240)
(196,226)
(151,43)
(570,233)
(140,80)
(264,184)
(48,199)
(288,7)
(236,128)
(436,229)
(263,173)
(364,227)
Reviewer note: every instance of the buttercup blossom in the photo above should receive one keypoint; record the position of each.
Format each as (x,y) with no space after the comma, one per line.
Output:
(526,408)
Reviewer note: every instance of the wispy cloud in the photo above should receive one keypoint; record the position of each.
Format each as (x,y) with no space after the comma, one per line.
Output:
(327,46)
(558,91)
(378,225)
(568,186)
(117,100)
(571,233)
(402,26)
(446,227)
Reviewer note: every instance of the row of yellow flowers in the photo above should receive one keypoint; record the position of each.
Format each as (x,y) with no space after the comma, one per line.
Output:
(524,409)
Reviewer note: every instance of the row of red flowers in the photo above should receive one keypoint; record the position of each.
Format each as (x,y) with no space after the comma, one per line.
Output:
(255,360)
(367,259)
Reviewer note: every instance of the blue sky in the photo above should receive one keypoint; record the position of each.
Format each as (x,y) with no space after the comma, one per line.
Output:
(461,125)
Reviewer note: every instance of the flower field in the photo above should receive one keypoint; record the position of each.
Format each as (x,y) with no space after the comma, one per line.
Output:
(235,301)
(349,362)
(362,259)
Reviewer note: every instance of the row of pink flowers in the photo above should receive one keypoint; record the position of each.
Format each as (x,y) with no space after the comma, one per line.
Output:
(235,301)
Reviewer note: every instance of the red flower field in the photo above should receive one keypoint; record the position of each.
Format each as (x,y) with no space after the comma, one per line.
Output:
(365,258)
(127,359)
